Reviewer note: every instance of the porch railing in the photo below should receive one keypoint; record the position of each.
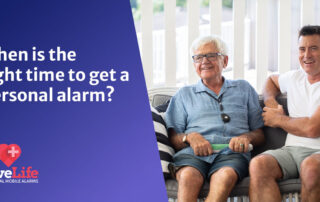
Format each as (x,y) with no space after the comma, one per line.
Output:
(248,39)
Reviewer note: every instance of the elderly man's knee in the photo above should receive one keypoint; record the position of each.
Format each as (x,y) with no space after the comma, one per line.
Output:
(225,174)
(261,165)
(187,175)
(310,172)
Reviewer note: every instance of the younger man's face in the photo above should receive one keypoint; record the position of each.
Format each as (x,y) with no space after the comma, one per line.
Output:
(309,54)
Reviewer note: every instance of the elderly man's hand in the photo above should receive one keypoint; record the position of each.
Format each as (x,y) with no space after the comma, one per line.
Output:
(239,144)
(271,116)
(200,146)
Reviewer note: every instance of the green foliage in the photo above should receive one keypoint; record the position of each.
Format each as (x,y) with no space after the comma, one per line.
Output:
(181,3)
(136,14)
(134,4)
(158,6)
(227,3)
(205,3)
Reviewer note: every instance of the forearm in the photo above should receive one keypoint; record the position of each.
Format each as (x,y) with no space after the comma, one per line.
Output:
(303,127)
(255,137)
(270,91)
(271,102)
(176,139)
(200,146)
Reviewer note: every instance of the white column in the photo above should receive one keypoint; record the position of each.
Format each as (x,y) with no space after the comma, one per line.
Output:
(261,43)
(239,8)
(193,12)
(170,41)
(215,7)
(307,12)
(284,36)
(146,40)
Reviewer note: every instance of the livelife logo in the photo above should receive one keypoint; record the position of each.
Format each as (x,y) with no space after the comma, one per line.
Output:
(25,174)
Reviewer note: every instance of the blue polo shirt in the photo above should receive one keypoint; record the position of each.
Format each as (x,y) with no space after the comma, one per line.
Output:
(194,109)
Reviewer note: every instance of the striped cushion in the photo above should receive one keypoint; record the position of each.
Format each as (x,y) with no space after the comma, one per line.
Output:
(165,149)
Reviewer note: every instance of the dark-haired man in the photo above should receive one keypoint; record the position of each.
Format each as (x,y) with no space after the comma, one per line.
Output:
(301,154)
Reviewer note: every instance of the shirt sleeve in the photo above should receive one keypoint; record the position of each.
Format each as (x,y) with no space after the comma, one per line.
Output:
(255,120)
(176,116)
(284,81)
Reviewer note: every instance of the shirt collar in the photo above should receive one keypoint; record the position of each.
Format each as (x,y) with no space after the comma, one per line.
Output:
(200,87)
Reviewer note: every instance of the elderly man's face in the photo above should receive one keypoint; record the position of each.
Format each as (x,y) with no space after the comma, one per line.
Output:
(309,54)
(208,70)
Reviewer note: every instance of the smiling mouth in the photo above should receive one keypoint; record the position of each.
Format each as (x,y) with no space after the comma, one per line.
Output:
(308,62)
(206,68)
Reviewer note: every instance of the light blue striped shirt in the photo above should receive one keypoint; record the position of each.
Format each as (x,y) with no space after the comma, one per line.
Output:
(193,109)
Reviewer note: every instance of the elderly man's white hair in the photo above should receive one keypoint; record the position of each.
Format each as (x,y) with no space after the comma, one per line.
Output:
(215,40)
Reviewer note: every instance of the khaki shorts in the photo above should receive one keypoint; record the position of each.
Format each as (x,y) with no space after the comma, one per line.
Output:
(290,158)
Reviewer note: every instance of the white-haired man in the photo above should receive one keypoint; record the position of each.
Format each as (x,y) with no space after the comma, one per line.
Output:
(213,111)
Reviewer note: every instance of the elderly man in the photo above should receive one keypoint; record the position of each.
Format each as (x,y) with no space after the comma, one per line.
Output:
(301,153)
(213,111)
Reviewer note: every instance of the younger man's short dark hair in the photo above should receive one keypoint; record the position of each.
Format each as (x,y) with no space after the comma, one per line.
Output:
(309,30)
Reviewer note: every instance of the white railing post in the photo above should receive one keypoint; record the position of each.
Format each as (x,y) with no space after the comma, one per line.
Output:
(239,8)
(307,12)
(170,41)
(193,9)
(215,17)
(146,41)
(261,43)
(317,14)
(284,36)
